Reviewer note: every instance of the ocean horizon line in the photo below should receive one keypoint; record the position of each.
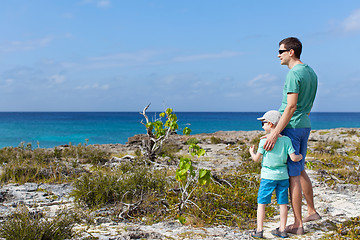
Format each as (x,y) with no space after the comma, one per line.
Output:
(159,111)
(58,128)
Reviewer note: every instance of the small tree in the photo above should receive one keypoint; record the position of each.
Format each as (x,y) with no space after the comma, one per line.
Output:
(189,179)
(158,132)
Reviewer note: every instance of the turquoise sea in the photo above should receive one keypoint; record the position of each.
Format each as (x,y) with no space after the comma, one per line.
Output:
(49,129)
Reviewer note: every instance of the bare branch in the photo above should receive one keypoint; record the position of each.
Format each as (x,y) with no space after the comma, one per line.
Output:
(144,113)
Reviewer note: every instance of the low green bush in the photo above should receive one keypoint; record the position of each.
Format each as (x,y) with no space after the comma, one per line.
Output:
(347,230)
(192,141)
(32,171)
(24,164)
(215,140)
(36,226)
(232,203)
(85,153)
(335,167)
(168,150)
(129,183)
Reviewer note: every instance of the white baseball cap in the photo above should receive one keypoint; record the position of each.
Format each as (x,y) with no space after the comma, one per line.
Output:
(272,116)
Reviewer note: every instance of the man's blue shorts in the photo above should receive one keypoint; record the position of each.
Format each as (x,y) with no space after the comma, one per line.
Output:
(267,187)
(299,138)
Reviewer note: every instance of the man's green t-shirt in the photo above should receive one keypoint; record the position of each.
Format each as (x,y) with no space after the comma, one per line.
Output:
(301,79)
(273,164)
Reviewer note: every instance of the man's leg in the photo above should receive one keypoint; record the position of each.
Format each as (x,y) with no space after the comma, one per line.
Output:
(296,200)
(308,192)
(305,180)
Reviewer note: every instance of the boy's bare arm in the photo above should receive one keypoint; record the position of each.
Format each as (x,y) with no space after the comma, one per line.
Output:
(296,158)
(255,156)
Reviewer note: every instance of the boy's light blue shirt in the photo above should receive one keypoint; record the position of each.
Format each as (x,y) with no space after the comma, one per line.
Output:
(273,164)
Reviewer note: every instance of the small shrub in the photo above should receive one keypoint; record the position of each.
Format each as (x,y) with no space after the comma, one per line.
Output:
(86,153)
(192,141)
(255,141)
(126,185)
(24,164)
(35,226)
(138,152)
(168,150)
(30,171)
(232,203)
(215,140)
(347,230)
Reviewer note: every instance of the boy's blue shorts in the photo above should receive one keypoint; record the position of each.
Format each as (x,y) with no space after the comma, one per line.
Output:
(299,138)
(268,186)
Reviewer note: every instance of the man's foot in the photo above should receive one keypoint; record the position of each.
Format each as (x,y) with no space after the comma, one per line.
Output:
(277,233)
(298,231)
(256,234)
(312,217)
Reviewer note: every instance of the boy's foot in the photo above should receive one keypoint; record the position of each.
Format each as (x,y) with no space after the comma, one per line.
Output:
(298,231)
(277,233)
(256,234)
(312,217)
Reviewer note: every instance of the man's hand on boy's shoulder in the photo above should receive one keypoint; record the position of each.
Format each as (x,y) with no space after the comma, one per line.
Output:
(271,139)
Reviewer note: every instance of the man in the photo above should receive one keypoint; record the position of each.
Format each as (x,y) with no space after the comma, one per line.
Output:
(298,97)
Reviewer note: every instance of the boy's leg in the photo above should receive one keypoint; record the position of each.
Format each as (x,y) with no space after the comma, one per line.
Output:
(264,197)
(283,216)
(282,198)
(260,217)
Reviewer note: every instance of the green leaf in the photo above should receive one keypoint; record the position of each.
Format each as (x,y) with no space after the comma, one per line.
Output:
(185,163)
(201,152)
(186,131)
(162,114)
(174,126)
(181,219)
(204,176)
(181,175)
(181,172)
(168,111)
(192,172)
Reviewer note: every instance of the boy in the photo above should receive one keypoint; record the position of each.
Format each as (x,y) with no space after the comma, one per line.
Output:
(274,174)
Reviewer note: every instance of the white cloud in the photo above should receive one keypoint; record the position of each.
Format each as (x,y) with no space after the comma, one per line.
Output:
(146,58)
(123,59)
(103,3)
(25,45)
(352,23)
(99,3)
(9,81)
(57,78)
(137,56)
(7,85)
(265,84)
(225,54)
(95,86)
(262,80)
(67,15)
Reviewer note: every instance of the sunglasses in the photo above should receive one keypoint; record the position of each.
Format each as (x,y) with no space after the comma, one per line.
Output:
(262,123)
(282,51)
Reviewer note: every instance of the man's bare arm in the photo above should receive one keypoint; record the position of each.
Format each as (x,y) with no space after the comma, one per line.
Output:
(290,108)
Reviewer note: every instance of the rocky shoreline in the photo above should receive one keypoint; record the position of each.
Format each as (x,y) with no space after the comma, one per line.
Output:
(334,203)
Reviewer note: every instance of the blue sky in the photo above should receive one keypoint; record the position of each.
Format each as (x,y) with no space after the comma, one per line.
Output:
(199,55)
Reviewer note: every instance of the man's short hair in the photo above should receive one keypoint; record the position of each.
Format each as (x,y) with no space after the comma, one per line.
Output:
(292,43)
